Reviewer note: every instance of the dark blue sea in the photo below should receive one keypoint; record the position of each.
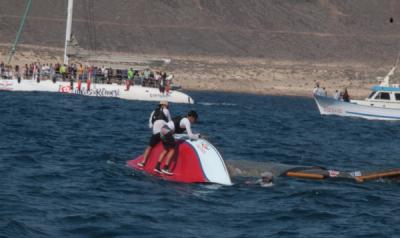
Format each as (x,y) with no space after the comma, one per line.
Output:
(63,170)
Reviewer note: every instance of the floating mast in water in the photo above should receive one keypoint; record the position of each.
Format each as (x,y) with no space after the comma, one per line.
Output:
(68,30)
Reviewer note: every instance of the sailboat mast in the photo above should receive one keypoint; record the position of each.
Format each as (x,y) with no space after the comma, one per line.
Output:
(68,30)
(21,26)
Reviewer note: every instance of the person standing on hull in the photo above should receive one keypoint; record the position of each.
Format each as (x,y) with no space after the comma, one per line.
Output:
(157,120)
(181,124)
(168,141)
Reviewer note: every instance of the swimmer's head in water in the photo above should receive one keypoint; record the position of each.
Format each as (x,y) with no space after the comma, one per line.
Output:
(266,179)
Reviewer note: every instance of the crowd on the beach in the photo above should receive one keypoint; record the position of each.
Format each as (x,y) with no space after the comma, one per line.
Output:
(338,95)
(75,72)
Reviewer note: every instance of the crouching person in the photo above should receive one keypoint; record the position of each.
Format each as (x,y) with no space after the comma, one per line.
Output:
(177,125)
(168,141)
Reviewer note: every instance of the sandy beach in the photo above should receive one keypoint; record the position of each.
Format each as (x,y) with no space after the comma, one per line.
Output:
(244,75)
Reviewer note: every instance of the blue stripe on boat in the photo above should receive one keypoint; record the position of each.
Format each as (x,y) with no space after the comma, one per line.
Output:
(388,89)
(371,115)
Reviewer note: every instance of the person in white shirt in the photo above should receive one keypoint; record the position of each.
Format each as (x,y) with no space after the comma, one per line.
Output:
(180,125)
(168,141)
(157,115)
(183,124)
(323,92)
(158,118)
(316,89)
(319,91)
(336,95)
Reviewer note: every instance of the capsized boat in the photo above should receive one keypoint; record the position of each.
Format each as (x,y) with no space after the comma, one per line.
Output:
(382,104)
(245,168)
(135,92)
(195,161)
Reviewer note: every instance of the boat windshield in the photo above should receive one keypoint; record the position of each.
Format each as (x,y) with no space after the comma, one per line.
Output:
(372,94)
(383,96)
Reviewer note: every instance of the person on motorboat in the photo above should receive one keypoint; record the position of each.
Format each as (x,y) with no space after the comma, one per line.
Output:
(336,95)
(346,96)
(318,90)
(157,120)
(324,92)
(180,125)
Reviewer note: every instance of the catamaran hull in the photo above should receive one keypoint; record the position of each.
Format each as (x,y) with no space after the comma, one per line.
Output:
(99,90)
(196,161)
(331,106)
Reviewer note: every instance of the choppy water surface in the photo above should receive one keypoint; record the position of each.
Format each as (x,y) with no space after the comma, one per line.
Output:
(63,173)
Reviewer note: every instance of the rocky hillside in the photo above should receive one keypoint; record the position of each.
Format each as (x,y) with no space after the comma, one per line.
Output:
(309,30)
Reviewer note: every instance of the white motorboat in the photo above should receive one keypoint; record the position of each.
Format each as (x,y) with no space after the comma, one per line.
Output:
(382,104)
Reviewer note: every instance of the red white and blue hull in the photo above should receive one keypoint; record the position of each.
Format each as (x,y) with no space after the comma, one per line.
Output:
(195,161)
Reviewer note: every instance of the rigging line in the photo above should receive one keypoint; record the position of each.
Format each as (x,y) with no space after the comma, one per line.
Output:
(93,24)
(21,26)
(397,60)
(88,27)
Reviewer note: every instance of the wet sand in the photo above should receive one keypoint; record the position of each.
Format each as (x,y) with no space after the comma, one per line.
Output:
(246,75)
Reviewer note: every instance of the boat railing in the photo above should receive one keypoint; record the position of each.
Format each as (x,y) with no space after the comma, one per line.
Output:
(113,77)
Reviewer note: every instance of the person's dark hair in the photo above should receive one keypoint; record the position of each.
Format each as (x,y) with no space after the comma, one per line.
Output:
(193,114)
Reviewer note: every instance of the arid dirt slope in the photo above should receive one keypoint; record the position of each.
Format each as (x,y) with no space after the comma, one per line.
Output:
(311,39)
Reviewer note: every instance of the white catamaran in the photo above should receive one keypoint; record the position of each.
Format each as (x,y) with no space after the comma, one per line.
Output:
(382,104)
(135,92)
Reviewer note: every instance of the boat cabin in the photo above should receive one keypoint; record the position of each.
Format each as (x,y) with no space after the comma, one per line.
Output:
(387,94)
